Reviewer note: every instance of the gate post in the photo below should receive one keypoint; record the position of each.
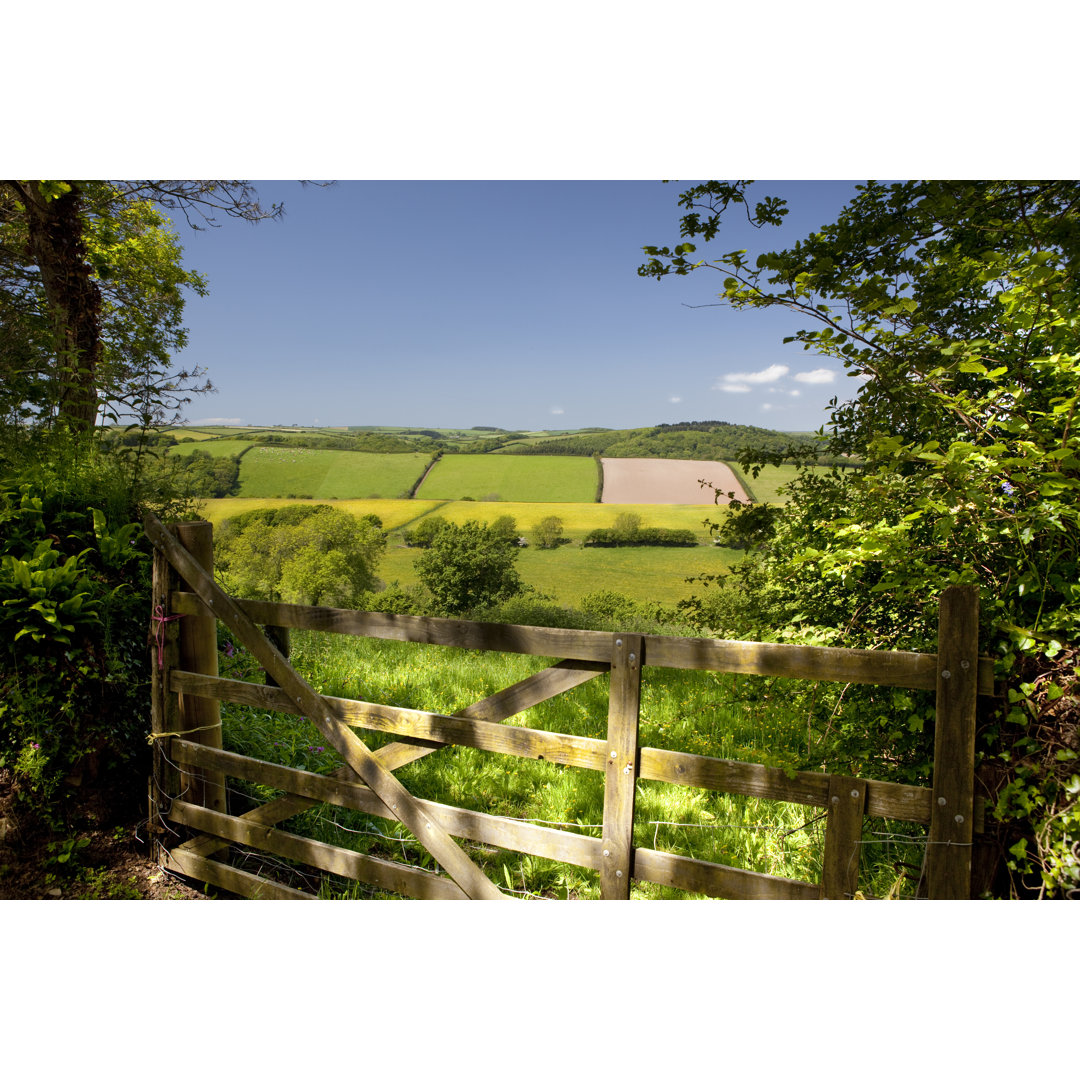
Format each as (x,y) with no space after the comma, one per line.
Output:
(164,713)
(200,718)
(620,774)
(948,856)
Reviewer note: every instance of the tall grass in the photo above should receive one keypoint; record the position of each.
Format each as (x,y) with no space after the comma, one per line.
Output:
(696,712)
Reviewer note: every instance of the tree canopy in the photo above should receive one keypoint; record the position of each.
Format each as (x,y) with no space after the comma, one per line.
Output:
(92,292)
(300,554)
(470,566)
(955,305)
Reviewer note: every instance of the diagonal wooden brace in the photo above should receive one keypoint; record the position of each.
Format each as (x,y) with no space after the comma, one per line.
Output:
(359,758)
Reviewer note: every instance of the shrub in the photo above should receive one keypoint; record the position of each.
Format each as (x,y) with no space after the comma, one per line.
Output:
(469,566)
(548,532)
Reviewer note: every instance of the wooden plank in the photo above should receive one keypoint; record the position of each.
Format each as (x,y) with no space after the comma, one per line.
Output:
(621,767)
(843,833)
(504,704)
(734,777)
(905,669)
(815,663)
(383,782)
(714,879)
(198,651)
(433,727)
(427,630)
(381,873)
(270,813)
(236,881)
(507,833)
(948,855)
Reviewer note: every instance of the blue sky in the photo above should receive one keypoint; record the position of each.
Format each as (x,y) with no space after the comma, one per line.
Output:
(515,304)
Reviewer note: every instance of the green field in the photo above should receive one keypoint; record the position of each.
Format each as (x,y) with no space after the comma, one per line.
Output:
(577,518)
(512,479)
(213,446)
(393,513)
(268,471)
(766,486)
(568,572)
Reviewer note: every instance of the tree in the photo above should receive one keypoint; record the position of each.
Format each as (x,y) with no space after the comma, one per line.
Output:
(93,277)
(300,555)
(548,532)
(956,303)
(469,566)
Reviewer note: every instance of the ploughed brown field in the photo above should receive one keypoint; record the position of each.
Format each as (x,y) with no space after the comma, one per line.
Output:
(657,480)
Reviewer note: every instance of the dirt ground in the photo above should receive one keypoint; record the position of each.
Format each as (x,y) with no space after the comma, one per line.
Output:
(655,480)
(103,854)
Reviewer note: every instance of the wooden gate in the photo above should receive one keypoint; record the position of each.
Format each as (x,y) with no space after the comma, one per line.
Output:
(187,788)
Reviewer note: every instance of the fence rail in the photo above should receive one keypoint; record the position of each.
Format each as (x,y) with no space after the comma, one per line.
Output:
(187,788)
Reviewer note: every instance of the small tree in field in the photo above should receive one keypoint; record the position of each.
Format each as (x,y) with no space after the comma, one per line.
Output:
(626,527)
(548,532)
(468,566)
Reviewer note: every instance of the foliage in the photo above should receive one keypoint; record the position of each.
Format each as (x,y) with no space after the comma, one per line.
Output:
(469,566)
(300,554)
(98,315)
(627,531)
(425,532)
(548,532)
(956,306)
(74,584)
(704,440)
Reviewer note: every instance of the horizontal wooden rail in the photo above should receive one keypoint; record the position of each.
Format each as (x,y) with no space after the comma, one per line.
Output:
(660,867)
(900,802)
(236,881)
(911,670)
(381,873)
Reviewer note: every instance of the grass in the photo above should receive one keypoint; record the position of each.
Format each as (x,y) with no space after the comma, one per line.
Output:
(570,572)
(512,479)
(268,471)
(695,712)
(766,487)
(394,513)
(212,446)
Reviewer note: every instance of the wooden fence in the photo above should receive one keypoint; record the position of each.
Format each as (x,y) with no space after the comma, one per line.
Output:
(194,831)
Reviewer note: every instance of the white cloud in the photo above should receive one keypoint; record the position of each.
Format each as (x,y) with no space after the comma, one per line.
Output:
(675,399)
(557,410)
(740,382)
(227,421)
(818,375)
(768,375)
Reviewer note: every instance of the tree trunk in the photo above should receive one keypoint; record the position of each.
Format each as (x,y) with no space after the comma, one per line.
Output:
(55,240)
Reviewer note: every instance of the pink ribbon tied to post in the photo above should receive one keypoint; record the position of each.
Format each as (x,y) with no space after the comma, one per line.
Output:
(158,633)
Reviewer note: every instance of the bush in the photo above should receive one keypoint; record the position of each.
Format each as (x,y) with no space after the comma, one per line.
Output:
(548,533)
(469,566)
(424,533)
(300,554)
(74,600)
(650,537)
